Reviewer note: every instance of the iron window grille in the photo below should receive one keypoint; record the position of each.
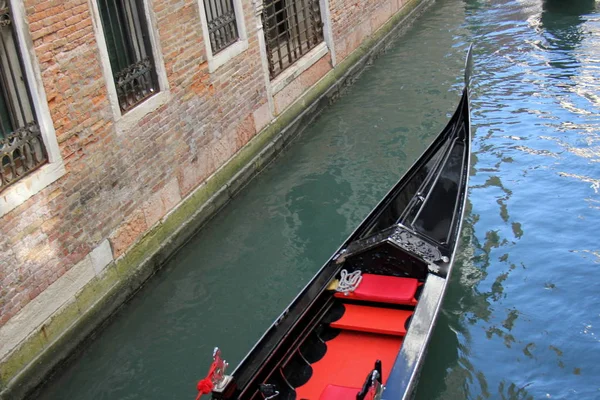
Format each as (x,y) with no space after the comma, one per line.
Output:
(292,29)
(129,50)
(222,25)
(21,145)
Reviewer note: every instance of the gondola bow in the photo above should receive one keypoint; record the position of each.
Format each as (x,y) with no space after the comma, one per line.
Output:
(361,326)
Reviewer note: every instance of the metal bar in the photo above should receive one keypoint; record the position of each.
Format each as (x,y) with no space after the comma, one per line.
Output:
(287,30)
(317,23)
(128,35)
(5,93)
(291,28)
(149,79)
(307,22)
(5,24)
(13,80)
(4,131)
(297,29)
(278,43)
(137,38)
(128,91)
(222,13)
(134,73)
(21,146)
(112,29)
(268,46)
(222,25)
(219,25)
(21,153)
(213,36)
(228,27)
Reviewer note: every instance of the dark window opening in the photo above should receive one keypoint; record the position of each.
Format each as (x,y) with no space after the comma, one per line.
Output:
(129,50)
(222,26)
(292,29)
(21,146)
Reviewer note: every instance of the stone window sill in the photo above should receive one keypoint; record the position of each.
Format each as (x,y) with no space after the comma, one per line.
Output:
(24,189)
(227,54)
(293,71)
(131,118)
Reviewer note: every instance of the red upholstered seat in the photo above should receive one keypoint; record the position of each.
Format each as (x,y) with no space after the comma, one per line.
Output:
(386,321)
(335,392)
(348,356)
(384,289)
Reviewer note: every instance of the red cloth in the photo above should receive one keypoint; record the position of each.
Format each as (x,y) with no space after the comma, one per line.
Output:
(349,356)
(335,392)
(384,289)
(387,321)
(205,386)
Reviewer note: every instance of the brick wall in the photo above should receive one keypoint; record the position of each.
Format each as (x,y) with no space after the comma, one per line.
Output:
(123,175)
(354,20)
(119,183)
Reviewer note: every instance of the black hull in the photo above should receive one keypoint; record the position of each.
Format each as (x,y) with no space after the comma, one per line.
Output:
(411,234)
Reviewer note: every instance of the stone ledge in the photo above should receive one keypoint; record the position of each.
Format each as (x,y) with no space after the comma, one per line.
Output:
(36,358)
(38,314)
(296,69)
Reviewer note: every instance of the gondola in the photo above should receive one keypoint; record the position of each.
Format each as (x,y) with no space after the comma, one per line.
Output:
(360,328)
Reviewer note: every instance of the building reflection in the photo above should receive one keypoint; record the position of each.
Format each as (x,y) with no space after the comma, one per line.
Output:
(562,25)
(563,21)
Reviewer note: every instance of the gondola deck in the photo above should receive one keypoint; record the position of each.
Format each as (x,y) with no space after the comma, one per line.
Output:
(371,326)
(349,358)
(384,289)
(360,328)
(384,321)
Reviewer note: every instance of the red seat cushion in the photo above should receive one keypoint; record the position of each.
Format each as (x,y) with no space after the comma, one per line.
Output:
(335,392)
(386,321)
(350,356)
(384,289)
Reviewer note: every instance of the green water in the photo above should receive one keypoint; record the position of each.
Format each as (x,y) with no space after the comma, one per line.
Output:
(522,309)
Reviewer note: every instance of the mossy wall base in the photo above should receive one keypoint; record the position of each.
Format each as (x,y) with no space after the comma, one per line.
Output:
(74,325)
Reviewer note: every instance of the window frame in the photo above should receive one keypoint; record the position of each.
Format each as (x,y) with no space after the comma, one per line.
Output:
(231,51)
(313,53)
(127,120)
(32,183)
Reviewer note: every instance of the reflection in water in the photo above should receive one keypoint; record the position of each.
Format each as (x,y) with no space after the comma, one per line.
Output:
(535,94)
(560,15)
(521,314)
(450,355)
(562,28)
(563,21)
(594,183)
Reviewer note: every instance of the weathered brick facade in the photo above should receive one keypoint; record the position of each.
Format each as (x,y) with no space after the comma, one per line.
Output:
(122,178)
(352,21)
(120,183)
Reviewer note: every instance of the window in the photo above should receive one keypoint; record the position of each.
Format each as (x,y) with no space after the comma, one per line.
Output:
(21,145)
(129,51)
(222,27)
(292,29)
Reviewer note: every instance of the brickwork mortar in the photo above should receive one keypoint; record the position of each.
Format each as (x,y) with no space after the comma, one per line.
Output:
(177,202)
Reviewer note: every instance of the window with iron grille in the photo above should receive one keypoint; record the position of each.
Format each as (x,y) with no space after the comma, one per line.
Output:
(292,28)
(129,50)
(21,145)
(222,26)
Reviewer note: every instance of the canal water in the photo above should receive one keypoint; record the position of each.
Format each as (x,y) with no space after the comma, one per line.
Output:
(522,315)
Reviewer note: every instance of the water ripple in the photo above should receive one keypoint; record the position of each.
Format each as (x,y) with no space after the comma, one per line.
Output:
(521,314)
